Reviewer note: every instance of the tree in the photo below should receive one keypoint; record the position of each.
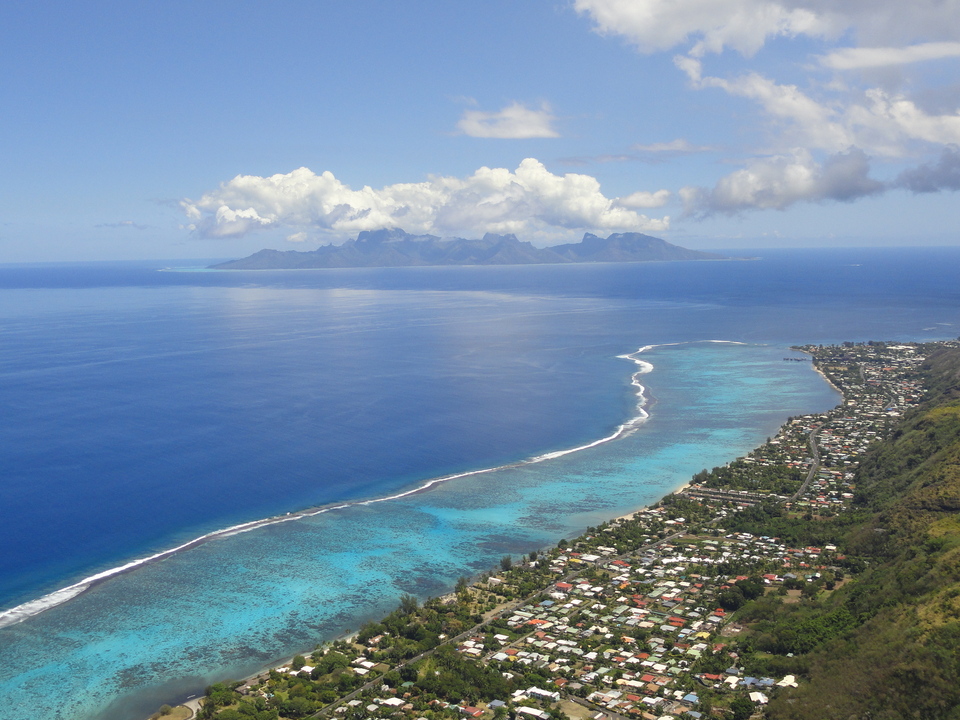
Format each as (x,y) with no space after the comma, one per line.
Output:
(751,588)
(731,599)
(506,562)
(741,708)
(297,707)
(408,604)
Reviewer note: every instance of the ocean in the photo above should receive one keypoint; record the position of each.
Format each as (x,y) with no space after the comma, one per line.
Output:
(398,428)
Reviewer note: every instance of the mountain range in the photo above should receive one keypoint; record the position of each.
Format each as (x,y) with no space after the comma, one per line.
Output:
(396,248)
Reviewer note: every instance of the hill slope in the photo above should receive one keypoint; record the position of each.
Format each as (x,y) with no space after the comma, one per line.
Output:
(887,644)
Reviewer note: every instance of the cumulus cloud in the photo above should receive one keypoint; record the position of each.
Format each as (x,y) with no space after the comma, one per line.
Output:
(871,57)
(933,177)
(842,118)
(514,122)
(879,121)
(779,182)
(746,25)
(528,201)
(643,199)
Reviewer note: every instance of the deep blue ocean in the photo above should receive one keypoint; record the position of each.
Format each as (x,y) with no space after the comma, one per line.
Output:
(146,405)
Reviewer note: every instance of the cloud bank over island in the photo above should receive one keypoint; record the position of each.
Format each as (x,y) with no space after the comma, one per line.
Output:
(807,122)
(530,202)
(842,128)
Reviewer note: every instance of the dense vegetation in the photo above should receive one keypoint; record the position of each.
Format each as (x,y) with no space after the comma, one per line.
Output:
(888,644)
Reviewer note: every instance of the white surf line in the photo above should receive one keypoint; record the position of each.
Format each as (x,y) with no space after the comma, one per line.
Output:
(58,597)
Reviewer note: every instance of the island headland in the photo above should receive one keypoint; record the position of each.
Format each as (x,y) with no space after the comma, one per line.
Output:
(817,577)
(396,248)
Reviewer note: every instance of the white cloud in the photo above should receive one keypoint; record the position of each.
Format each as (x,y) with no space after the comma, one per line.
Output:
(643,199)
(743,25)
(843,119)
(871,57)
(746,25)
(811,123)
(901,116)
(528,201)
(780,181)
(516,121)
(877,121)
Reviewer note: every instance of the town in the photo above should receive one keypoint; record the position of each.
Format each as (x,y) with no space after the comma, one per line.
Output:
(646,616)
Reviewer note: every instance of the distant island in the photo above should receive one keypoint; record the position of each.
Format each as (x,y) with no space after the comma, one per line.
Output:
(396,248)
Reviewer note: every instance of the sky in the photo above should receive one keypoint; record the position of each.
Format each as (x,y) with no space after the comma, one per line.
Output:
(153,130)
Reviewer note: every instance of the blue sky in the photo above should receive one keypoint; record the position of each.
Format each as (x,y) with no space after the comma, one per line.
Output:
(185,129)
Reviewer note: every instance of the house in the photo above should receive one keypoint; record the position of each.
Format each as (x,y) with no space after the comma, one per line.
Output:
(532,712)
(543,694)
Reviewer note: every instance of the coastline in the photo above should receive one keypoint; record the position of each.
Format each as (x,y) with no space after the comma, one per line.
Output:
(194,703)
(816,369)
(645,367)
(820,299)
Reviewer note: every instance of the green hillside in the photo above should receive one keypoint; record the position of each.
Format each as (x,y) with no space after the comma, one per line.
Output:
(886,643)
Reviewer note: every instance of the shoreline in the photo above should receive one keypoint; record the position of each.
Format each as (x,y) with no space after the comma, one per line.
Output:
(621,430)
(818,371)
(194,702)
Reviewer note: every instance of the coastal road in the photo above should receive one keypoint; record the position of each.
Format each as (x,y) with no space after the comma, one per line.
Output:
(815,467)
